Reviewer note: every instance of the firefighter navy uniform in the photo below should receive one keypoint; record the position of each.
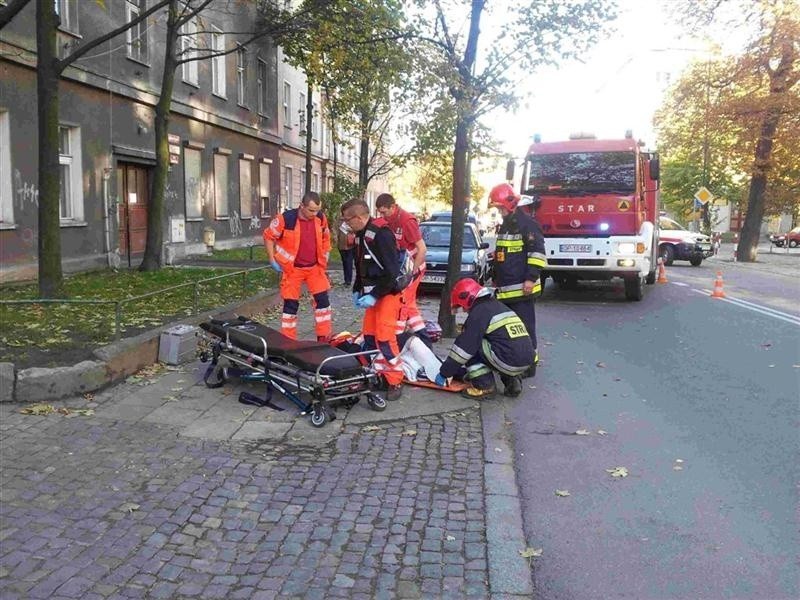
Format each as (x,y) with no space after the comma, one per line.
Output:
(285,231)
(377,268)
(494,338)
(519,255)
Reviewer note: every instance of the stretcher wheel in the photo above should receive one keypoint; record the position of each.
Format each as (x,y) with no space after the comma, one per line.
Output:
(215,376)
(319,417)
(376,402)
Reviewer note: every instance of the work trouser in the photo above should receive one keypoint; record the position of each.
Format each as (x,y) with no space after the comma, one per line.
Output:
(379,329)
(348,258)
(410,317)
(479,370)
(316,281)
(526,311)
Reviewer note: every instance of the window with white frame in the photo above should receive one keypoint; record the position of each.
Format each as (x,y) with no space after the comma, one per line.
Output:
(69,164)
(193,183)
(288,184)
(6,193)
(315,123)
(218,62)
(262,87)
(303,180)
(315,182)
(301,113)
(287,104)
(189,51)
(241,75)
(245,188)
(136,36)
(221,186)
(263,188)
(67,11)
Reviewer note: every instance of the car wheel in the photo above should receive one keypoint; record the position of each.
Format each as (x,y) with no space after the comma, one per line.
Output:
(667,254)
(695,261)
(793,243)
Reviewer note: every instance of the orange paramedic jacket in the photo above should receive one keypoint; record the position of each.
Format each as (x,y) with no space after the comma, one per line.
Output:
(284,232)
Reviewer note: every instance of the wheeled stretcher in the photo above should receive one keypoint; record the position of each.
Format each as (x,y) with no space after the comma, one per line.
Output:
(313,375)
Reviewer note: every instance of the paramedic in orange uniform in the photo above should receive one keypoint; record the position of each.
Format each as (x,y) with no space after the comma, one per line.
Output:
(298,242)
(375,289)
(406,231)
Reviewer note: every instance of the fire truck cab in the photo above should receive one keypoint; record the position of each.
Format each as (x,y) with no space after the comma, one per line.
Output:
(598,209)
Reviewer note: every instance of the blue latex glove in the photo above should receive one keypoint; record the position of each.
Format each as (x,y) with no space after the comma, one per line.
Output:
(440,380)
(355,299)
(366,301)
(274,264)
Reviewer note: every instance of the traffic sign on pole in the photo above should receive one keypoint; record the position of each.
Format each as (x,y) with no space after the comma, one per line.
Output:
(703,195)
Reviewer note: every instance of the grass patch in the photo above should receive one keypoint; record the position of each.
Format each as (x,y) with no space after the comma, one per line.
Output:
(255,254)
(57,334)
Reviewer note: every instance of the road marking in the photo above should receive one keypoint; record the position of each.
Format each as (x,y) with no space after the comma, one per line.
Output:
(764,310)
(680,284)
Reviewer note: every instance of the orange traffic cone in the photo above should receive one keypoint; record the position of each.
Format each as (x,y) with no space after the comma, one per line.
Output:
(718,293)
(662,272)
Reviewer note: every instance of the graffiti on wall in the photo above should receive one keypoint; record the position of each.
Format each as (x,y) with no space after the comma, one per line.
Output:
(235,224)
(27,193)
(255,222)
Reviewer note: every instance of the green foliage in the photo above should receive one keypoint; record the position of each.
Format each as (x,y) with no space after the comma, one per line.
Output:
(45,335)
(344,189)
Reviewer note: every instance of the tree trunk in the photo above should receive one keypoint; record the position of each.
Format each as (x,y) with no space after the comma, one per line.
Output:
(446,319)
(157,208)
(464,97)
(363,159)
(309,119)
(751,230)
(49,245)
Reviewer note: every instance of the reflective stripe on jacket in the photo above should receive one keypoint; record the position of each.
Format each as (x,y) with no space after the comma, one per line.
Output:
(498,332)
(519,255)
(284,232)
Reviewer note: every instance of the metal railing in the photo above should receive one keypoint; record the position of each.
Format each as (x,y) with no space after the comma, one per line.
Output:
(118,304)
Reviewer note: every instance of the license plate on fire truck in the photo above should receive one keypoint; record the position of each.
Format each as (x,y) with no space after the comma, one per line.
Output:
(575,247)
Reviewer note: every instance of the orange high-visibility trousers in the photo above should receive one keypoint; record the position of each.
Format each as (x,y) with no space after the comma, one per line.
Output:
(410,317)
(380,321)
(316,280)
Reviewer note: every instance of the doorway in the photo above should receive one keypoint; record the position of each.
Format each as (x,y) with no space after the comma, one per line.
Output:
(133,183)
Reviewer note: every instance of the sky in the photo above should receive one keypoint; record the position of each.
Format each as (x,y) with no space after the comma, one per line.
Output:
(618,87)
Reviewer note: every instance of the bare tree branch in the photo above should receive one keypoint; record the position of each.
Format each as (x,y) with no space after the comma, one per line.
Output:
(9,12)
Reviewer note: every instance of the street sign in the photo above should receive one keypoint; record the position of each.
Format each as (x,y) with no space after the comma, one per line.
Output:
(703,195)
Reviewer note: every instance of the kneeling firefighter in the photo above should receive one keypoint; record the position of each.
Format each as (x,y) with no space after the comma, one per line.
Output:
(494,339)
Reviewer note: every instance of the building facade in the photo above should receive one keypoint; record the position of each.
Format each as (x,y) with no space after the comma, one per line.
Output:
(236,150)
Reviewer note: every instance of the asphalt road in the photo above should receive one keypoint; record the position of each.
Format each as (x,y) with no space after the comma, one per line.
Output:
(698,399)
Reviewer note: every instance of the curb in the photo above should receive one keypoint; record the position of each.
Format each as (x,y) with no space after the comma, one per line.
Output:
(113,362)
(509,574)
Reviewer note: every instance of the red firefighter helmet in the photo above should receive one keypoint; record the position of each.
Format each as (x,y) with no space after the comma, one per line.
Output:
(464,293)
(503,195)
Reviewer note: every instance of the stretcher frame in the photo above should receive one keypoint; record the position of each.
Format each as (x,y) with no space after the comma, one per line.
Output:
(326,392)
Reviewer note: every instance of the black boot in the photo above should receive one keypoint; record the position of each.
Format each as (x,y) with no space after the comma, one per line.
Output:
(513,386)
(529,372)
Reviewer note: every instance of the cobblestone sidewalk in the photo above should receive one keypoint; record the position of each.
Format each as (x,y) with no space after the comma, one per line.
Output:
(96,509)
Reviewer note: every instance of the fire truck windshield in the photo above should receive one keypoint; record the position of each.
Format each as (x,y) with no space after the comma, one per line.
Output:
(583,172)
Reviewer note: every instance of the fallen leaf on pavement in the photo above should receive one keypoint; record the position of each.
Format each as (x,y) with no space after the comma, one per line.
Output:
(371,428)
(618,472)
(129,507)
(583,432)
(83,412)
(531,553)
(602,365)
(88,396)
(451,538)
(409,432)
(562,493)
(38,409)
(677,468)
(601,432)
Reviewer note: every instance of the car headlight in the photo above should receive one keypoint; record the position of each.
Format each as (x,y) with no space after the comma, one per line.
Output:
(626,247)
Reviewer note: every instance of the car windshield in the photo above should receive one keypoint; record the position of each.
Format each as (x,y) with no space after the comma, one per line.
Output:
(437,235)
(669,224)
(583,171)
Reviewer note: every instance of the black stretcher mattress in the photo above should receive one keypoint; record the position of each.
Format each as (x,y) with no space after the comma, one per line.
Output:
(305,355)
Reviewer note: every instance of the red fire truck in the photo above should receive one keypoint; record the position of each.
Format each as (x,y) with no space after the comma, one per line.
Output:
(598,211)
